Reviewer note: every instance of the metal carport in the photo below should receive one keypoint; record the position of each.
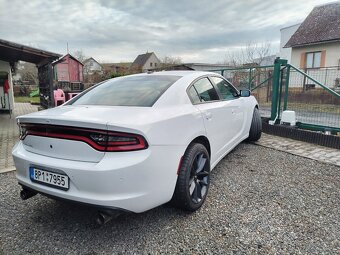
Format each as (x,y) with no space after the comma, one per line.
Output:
(11,53)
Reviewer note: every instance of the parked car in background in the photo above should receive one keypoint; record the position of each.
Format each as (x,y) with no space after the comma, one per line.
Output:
(136,142)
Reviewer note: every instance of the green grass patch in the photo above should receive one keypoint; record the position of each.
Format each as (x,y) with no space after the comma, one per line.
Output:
(322,108)
(32,100)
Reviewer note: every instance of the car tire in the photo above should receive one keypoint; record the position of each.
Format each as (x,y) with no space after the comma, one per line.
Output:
(256,126)
(193,178)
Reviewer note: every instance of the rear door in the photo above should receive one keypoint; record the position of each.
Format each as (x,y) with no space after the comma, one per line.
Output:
(217,117)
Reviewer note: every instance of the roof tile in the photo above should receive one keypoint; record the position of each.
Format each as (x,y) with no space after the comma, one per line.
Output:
(321,25)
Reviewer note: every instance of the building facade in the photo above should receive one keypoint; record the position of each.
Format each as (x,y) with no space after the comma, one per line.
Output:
(315,46)
(285,34)
(92,66)
(145,62)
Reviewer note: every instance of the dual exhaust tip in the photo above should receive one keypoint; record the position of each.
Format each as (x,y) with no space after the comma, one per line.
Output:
(26,194)
(103,216)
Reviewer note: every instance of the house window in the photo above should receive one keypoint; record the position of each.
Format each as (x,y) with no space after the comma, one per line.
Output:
(313,59)
(151,64)
(155,64)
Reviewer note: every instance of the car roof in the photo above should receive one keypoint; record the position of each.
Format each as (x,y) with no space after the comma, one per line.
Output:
(179,73)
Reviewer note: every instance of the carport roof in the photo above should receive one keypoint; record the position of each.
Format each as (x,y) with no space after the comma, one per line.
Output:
(13,52)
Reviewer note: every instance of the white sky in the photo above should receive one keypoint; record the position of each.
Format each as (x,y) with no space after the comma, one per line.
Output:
(115,31)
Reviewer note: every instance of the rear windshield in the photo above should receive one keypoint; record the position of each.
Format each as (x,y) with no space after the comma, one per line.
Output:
(128,91)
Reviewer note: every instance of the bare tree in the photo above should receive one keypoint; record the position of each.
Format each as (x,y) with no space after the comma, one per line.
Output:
(256,53)
(233,58)
(252,53)
(79,54)
(170,61)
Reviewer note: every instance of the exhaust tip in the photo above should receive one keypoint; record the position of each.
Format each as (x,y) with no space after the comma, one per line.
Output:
(104,217)
(26,194)
(101,219)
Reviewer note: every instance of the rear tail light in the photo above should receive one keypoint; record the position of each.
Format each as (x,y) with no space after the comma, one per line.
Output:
(120,141)
(100,140)
(22,131)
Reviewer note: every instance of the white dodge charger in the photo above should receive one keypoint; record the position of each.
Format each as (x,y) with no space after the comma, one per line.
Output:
(135,142)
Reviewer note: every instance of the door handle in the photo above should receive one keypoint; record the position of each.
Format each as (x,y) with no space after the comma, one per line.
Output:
(208,115)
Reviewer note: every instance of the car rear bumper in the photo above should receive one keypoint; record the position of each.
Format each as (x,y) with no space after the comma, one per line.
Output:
(134,181)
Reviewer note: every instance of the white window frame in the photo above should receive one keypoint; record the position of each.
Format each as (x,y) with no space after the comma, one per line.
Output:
(313,53)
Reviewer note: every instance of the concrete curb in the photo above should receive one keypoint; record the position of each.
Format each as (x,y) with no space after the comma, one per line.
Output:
(303,149)
(8,169)
(300,155)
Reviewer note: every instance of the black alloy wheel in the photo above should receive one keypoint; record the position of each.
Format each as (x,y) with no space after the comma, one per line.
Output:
(193,178)
(199,177)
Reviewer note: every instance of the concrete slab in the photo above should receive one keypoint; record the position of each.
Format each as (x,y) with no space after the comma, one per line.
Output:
(9,134)
(307,150)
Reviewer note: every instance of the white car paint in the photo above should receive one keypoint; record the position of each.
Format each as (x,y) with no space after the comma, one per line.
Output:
(137,180)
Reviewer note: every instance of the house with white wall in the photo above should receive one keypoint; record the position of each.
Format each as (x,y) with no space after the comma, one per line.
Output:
(92,66)
(315,45)
(285,34)
(145,62)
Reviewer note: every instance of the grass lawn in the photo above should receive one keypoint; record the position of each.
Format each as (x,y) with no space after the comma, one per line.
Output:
(32,100)
(322,108)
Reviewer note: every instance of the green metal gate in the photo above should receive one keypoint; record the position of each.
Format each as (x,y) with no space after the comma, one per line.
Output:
(282,86)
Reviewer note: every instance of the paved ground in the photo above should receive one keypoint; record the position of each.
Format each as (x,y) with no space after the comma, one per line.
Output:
(261,201)
(9,134)
(308,150)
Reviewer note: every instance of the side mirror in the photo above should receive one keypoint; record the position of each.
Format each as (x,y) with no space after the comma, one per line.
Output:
(245,93)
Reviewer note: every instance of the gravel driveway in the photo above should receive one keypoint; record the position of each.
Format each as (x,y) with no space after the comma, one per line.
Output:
(261,201)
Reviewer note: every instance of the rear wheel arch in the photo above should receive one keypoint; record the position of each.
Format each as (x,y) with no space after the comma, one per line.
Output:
(202,140)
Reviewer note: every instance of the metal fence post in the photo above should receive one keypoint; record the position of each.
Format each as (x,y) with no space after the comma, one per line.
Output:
(280,94)
(285,100)
(275,90)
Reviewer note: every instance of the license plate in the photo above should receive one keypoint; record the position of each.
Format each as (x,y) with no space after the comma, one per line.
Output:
(48,178)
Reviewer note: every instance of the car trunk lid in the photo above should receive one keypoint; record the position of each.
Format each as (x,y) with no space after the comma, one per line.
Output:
(65,132)
(53,131)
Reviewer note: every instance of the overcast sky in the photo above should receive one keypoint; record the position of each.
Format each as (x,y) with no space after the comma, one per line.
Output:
(115,31)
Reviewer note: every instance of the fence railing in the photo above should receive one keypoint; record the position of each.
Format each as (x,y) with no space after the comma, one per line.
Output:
(317,104)
(329,76)
(312,93)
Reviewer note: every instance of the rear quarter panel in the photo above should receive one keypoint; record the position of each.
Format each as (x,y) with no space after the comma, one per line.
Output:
(181,126)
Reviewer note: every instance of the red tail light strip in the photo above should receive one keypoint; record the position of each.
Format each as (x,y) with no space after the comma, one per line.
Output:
(69,137)
(84,135)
